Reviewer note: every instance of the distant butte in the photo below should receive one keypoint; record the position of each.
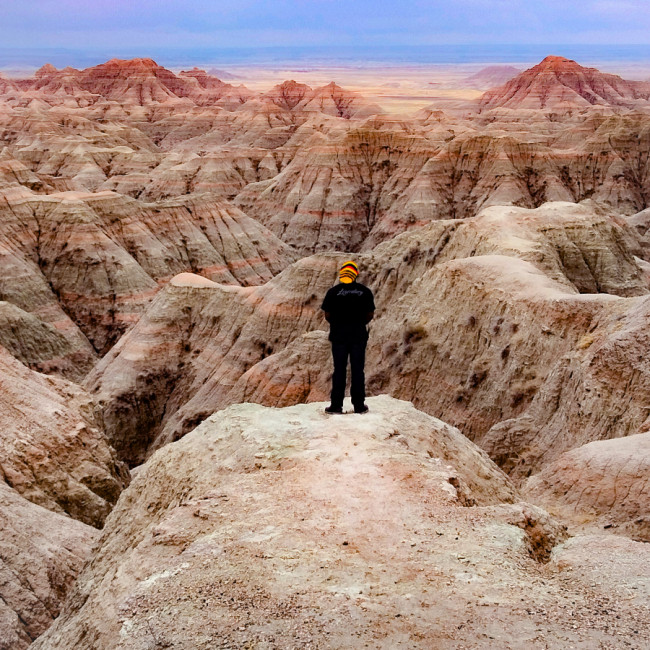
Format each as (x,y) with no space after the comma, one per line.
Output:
(493,75)
(558,82)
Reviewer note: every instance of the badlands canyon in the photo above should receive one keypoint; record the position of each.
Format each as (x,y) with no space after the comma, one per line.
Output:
(169,478)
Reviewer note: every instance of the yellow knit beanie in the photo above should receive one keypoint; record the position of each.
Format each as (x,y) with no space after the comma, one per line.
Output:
(348,272)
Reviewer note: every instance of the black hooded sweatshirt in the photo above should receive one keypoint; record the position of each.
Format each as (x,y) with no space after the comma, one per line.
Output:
(349,306)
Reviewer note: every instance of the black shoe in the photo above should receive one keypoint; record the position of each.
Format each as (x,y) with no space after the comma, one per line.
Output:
(361,409)
(332,410)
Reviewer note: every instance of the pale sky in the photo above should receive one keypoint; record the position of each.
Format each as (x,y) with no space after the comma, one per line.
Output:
(136,25)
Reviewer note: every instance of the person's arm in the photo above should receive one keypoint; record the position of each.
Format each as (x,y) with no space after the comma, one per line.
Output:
(370,308)
(327,307)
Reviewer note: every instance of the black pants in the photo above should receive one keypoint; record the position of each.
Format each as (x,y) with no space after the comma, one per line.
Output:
(356,350)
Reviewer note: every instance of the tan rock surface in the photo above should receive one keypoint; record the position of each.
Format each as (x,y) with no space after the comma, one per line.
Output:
(296,375)
(512,301)
(572,244)
(608,563)
(353,190)
(52,448)
(135,127)
(43,347)
(603,482)
(7,86)
(481,344)
(332,192)
(288,528)
(42,553)
(598,392)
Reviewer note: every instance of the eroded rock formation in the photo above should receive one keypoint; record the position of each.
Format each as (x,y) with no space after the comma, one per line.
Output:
(286,527)
(52,448)
(151,232)
(101,256)
(606,479)
(515,294)
(42,554)
(558,82)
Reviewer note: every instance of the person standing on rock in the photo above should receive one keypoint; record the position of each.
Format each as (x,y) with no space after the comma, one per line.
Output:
(349,307)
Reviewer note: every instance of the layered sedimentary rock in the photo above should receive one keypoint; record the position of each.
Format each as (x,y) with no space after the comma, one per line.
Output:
(100,256)
(334,100)
(263,527)
(61,87)
(585,251)
(297,374)
(7,86)
(539,289)
(141,83)
(193,344)
(213,91)
(524,278)
(289,94)
(42,346)
(557,82)
(137,81)
(332,193)
(352,191)
(606,480)
(521,322)
(465,350)
(515,290)
(293,159)
(42,554)
(222,174)
(641,224)
(70,149)
(598,392)
(52,449)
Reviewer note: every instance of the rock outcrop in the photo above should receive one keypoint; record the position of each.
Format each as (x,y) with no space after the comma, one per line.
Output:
(42,554)
(142,83)
(41,345)
(517,294)
(354,190)
(600,391)
(289,94)
(136,81)
(179,363)
(286,527)
(295,375)
(559,83)
(331,195)
(7,86)
(52,448)
(334,100)
(317,166)
(152,225)
(605,481)
(100,257)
